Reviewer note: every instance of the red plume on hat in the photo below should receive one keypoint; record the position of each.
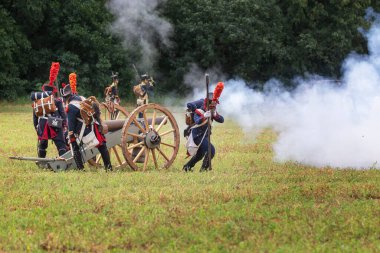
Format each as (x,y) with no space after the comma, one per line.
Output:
(54,69)
(73,82)
(218,91)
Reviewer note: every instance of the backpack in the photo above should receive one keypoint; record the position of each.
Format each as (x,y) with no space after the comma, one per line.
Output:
(43,103)
(191,107)
(35,95)
(89,110)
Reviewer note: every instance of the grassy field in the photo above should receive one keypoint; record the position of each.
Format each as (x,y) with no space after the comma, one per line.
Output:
(248,203)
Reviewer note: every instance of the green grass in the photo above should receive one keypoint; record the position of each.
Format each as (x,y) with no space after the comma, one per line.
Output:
(248,203)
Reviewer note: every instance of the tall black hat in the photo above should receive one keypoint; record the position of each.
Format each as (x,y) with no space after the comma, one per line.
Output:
(145,77)
(66,91)
(115,76)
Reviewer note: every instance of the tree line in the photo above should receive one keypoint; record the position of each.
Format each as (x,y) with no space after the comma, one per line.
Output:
(254,40)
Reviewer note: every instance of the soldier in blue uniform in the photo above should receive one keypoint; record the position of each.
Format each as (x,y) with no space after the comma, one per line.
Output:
(111,92)
(199,131)
(46,132)
(75,123)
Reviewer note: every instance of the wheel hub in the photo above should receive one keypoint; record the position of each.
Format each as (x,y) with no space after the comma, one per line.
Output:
(152,139)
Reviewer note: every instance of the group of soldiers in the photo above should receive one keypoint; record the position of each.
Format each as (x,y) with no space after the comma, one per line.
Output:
(70,134)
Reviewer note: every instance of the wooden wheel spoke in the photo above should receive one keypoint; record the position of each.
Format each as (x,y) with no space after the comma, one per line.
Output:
(162,123)
(153,119)
(139,125)
(146,158)
(98,159)
(167,132)
(154,158)
(167,144)
(134,135)
(139,154)
(162,153)
(135,145)
(117,156)
(145,121)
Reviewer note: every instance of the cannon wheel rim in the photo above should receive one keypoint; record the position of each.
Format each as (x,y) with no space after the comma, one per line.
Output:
(120,161)
(155,154)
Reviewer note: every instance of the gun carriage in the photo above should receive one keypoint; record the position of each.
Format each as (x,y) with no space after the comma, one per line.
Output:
(150,141)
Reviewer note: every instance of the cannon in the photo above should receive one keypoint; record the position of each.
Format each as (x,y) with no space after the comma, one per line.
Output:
(150,141)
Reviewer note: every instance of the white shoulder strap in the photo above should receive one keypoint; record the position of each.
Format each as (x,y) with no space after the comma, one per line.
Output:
(75,103)
(202,124)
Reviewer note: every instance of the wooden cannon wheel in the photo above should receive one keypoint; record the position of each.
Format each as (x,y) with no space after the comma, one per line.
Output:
(112,112)
(150,138)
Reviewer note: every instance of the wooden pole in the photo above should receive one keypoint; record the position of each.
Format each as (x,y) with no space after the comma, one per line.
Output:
(208,122)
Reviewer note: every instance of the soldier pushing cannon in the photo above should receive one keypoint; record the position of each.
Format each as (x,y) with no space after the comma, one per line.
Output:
(84,124)
(147,137)
(49,117)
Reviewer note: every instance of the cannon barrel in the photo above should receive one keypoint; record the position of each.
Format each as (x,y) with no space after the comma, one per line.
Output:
(114,125)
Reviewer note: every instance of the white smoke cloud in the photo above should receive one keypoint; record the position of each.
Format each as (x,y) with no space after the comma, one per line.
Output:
(138,22)
(196,79)
(321,123)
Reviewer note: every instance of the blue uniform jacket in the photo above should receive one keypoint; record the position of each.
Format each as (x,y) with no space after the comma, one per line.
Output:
(198,132)
(73,114)
(75,125)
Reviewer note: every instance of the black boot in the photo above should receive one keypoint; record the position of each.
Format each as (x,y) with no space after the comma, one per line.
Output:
(105,157)
(108,167)
(187,168)
(41,153)
(203,169)
(205,164)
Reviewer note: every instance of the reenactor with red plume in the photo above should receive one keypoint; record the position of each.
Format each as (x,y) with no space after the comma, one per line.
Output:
(49,117)
(198,144)
(84,124)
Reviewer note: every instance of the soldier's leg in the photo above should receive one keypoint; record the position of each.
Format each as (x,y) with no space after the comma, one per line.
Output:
(61,147)
(42,146)
(59,142)
(105,156)
(197,157)
(206,163)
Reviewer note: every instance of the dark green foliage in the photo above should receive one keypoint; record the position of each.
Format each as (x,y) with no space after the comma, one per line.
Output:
(257,40)
(75,33)
(254,40)
(13,48)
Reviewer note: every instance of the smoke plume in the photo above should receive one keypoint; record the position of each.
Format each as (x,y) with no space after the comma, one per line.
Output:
(195,79)
(321,122)
(139,23)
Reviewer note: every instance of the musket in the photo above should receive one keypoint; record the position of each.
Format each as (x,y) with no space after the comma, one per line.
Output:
(137,75)
(208,122)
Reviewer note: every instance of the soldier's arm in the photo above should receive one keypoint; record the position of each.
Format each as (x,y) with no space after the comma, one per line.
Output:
(72,121)
(198,116)
(61,112)
(35,121)
(218,118)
